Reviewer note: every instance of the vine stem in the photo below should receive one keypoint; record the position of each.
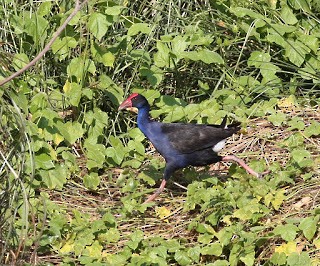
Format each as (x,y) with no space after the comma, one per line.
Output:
(77,7)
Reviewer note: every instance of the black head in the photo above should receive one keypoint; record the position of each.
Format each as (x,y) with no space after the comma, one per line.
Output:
(134,100)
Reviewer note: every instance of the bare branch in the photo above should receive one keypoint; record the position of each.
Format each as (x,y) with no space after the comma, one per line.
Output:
(77,7)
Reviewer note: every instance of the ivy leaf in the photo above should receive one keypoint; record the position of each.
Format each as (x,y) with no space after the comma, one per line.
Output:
(71,131)
(182,258)
(288,16)
(210,57)
(55,178)
(161,57)
(288,232)
(296,123)
(214,249)
(278,258)
(98,25)
(139,27)
(296,51)
(73,92)
(43,161)
(19,61)
(277,118)
(302,157)
(79,67)
(296,259)
(114,10)
(309,227)
(313,129)
(153,74)
(194,253)
(91,181)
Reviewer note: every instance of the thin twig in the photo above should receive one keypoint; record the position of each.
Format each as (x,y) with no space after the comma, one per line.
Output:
(77,7)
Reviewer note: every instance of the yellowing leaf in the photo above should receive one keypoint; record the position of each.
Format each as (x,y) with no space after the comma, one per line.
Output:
(287,248)
(94,250)
(67,87)
(163,212)
(68,246)
(279,197)
(287,102)
(57,138)
(316,242)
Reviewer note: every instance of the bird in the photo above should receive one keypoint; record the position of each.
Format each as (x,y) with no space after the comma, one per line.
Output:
(183,144)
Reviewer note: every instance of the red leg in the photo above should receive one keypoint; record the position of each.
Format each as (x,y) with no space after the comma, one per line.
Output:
(244,165)
(158,191)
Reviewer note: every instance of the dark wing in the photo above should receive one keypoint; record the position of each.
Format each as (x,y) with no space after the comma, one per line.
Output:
(187,138)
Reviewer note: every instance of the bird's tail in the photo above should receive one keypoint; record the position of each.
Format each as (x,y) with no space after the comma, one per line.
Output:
(235,126)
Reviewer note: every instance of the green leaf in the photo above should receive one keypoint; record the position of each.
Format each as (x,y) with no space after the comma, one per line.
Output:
(94,250)
(277,118)
(112,90)
(108,59)
(153,74)
(302,157)
(194,253)
(136,237)
(288,232)
(136,146)
(278,258)
(313,129)
(220,263)
(248,258)
(179,45)
(95,153)
(161,57)
(311,41)
(73,92)
(71,131)
(295,259)
(44,8)
(309,227)
(98,25)
(114,10)
(36,26)
(296,123)
(111,236)
(257,58)
(139,27)
(43,161)
(62,46)
(91,181)
(296,51)
(214,249)
(79,67)
(19,61)
(288,16)
(242,12)
(210,57)
(182,258)
(55,178)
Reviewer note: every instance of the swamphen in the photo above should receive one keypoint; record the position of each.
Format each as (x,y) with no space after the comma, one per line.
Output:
(183,144)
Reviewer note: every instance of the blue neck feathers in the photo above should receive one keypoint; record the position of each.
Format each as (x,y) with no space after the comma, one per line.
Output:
(143,117)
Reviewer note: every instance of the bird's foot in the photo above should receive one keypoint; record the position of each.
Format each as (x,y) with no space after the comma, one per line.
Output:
(261,175)
(157,193)
(245,166)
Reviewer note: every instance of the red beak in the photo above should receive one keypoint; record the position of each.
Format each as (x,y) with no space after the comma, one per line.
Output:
(126,104)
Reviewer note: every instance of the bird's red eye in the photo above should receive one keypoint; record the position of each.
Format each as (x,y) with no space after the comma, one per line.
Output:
(132,96)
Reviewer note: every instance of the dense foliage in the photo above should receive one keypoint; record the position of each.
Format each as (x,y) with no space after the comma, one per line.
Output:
(195,61)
